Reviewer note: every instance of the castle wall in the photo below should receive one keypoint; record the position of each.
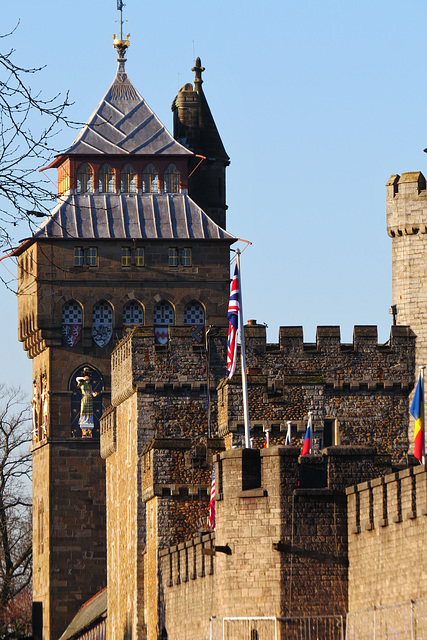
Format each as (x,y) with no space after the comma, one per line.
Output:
(126,518)
(280,544)
(187,584)
(387,527)
(362,388)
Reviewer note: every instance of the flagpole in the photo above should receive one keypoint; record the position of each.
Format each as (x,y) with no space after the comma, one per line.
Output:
(243,361)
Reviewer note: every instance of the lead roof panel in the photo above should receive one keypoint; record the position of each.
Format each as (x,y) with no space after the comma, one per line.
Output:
(148,216)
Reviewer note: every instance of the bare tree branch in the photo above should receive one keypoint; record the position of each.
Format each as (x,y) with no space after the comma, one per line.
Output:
(29,123)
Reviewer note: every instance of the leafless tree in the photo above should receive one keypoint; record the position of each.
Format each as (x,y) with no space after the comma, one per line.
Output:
(29,123)
(15,503)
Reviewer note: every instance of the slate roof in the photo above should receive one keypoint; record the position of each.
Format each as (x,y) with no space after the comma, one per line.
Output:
(94,610)
(132,216)
(123,123)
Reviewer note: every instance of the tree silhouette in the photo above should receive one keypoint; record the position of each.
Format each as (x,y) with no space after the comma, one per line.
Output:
(15,504)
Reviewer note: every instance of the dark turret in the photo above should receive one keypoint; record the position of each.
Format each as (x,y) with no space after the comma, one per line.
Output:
(194,127)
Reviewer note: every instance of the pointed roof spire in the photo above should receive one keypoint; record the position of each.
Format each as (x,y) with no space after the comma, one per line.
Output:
(198,70)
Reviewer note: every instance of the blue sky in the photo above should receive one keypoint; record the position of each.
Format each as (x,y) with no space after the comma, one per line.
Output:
(317,102)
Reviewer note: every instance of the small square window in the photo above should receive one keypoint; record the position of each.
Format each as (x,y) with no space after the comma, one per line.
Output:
(78,256)
(139,257)
(186,257)
(126,257)
(173,257)
(92,257)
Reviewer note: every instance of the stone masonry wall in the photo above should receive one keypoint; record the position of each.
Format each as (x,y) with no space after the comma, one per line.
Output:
(387,526)
(187,584)
(71,522)
(362,388)
(280,543)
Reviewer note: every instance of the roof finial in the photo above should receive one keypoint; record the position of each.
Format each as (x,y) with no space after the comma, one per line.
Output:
(120,43)
(198,70)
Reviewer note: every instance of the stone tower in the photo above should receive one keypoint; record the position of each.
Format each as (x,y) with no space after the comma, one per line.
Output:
(125,247)
(194,126)
(407,226)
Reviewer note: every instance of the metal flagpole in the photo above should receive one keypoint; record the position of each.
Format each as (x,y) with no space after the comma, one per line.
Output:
(423,460)
(243,360)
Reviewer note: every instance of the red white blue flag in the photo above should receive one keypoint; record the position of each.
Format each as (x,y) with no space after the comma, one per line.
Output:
(212,502)
(306,447)
(233,323)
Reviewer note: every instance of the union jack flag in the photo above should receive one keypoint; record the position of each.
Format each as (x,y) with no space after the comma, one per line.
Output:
(233,323)
(212,502)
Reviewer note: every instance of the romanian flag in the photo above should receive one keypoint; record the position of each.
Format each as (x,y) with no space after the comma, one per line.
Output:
(306,447)
(417,412)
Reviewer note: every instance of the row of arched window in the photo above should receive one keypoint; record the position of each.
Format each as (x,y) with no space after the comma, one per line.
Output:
(129,180)
(133,315)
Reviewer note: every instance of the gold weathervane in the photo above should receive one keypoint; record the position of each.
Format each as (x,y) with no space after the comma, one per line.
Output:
(120,43)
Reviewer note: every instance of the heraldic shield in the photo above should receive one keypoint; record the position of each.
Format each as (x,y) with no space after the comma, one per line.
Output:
(102,323)
(161,334)
(71,323)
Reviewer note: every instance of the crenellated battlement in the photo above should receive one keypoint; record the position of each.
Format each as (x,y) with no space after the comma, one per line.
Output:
(388,501)
(387,527)
(357,392)
(188,560)
(283,518)
(406,204)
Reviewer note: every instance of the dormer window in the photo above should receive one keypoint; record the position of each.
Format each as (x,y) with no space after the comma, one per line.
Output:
(84,179)
(128,179)
(106,179)
(150,179)
(172,179)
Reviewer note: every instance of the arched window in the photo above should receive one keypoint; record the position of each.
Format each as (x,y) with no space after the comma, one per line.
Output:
(102,323)
(128,179)
(163,313)
(150,179)
(133,315)
(163,317)
(172,179)
(106,179)
(84,179)
(194,313)
(72,322)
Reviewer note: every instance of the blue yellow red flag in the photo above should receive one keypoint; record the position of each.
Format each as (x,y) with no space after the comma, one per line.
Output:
(417,412)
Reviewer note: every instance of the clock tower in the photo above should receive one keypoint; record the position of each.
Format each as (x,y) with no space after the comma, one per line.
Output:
(124,247)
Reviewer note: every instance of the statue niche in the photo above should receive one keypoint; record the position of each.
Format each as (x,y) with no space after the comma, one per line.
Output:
(86,385)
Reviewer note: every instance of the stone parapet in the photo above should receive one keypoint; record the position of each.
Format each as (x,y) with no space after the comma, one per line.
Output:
(387,520)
